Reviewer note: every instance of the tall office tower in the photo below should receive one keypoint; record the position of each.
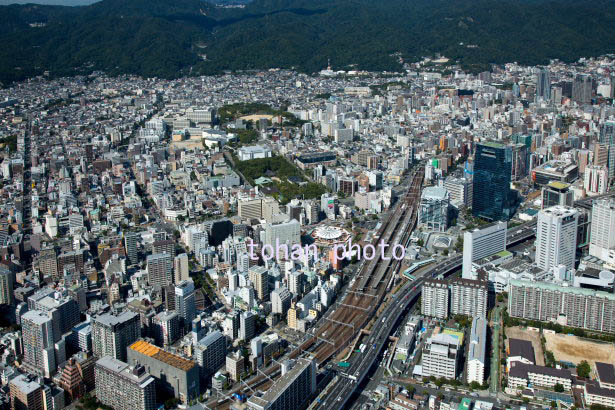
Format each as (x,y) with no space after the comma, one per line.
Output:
(576,307)
(26,393)
(280,300)
(602,238)
(130,243)
(557,193)
(290,391)
(434,209)
(165,328)
(596,179)
(287,233)
(482,242)
(434,299)
(210,353)
(160,269)
(543,85)
(582,89)
(247,326)
(477,351)
(122,387)
(469,297)
(38,342)
(441,356)
(607,137)
(556,237)
(63,309)
(176,376)
(6,286)
(260,280)
(520,161)
(185,303)
(113,333)
(492,199)
(181,268)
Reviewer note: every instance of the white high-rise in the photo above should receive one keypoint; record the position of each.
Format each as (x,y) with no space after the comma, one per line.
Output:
(596,179)
(602,239)
(556,237)
(482,242)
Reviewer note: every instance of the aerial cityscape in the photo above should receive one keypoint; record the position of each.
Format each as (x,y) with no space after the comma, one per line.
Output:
(433,232)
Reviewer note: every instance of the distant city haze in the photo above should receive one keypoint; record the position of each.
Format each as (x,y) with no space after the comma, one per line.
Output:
(50,2)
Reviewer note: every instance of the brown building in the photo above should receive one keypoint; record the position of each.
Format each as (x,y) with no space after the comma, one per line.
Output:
(26,393)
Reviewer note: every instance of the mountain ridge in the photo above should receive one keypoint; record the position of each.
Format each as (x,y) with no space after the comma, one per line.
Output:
(171,38)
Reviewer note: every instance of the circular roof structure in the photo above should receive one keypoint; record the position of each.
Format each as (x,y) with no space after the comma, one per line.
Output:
(328,232)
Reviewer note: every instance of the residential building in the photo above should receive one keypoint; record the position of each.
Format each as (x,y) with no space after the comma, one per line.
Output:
(435,298)
(469,297)
(596,180)
(521,375)
(39,342)
(122,387)
(210,354)
(441,356)
(181,268)
(113,333)
(160,269)
(290,391)
(556,237)
(602,239)
(477,354)
(185,303)
(280,300)
(26,393)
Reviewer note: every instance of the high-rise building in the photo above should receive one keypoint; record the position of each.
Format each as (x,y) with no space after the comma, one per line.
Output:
(113,333)
(582,89)
(164,246)
(165,328)
(175,375)
(557,193)
(260,280)
(556,237)
(122,387)
(181,268)
(596,179)
(543,85)
(6,286)
(247,326)
(460,190)
(441,356)
(160,269)
(469,297)
(210,353)
(481,242)
(130,243)
(185,304)
(434,209)
(231,325)
(38,342)
(280,300)
(64,309)
(434,299)
(290,391)
(492,199)
(568,305)
(477,351)
(602,237)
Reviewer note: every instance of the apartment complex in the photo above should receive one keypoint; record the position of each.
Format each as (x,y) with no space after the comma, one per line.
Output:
(123,387)
(576,307)
(469,297)
(113,333)
(434,299)
(476,351)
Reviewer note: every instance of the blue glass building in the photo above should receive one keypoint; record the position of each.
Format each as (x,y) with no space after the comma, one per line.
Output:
(492,198)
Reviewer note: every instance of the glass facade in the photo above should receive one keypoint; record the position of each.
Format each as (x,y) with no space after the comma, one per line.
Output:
(492,174)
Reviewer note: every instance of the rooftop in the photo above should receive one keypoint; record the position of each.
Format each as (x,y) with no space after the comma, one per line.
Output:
(157,353)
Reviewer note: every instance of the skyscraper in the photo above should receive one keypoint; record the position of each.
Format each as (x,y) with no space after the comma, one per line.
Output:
(184,302)
(38,342)
(602,238)
(543,85)
(492,199)
(556,237)
(130,243)
(113,333)
(582,89)
(181,267)
(159,269)
(6,286)
(247,326)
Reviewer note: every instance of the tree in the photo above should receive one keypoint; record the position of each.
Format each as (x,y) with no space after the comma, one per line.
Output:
(553,404)
(583,369)
(420,242)
(559,388)
(475,385)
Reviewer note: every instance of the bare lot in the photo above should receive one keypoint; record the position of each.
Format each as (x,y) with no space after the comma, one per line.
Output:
(573,349)
(530,335)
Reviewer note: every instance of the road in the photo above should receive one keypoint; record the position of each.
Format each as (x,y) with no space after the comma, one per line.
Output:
(336,396)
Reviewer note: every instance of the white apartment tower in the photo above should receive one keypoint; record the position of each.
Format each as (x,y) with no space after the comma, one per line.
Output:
(602,238)
(556,237)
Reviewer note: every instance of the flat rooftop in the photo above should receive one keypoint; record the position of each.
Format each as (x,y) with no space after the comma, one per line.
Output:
(148,349)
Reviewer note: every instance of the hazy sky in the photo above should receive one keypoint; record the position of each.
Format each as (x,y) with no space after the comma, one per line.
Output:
(59,2)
